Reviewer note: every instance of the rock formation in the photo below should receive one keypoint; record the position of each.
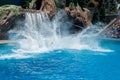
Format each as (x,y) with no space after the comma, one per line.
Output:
(79,15)
(9,14)
(47,6)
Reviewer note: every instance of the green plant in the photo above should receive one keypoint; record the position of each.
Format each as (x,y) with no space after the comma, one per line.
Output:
(72,5)
(82,3)
(113,7)
(102,12)
(57,3)
(67,3)
(96,16)
(5,9)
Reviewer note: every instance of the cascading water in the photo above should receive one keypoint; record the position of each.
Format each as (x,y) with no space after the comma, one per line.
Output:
(39,34)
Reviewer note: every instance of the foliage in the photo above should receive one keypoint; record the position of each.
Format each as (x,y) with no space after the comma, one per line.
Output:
(67,3)
(31,4)
(75,2)
(113,7)
(102,12)
(60,3)
(25,3)
(5,9)
(71,1)
(82,3)
(57,3)
(92,3)
(72,5)
(96,16)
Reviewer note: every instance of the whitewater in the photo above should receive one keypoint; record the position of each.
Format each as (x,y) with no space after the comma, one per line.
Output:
(38,34)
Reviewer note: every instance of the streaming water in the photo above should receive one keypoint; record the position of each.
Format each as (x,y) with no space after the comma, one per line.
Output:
(38,34)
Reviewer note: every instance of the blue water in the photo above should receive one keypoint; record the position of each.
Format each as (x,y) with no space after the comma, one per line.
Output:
(64,64)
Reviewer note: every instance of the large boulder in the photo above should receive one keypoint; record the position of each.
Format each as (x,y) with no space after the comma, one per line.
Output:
(49,7)
(79,15)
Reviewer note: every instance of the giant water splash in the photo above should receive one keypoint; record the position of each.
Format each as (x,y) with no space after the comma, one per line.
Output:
(39,35)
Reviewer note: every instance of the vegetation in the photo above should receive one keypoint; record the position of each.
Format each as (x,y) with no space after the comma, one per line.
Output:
(71,1)
(5,9)
(57,3)
(100,7)
(113,7)
(92,3)
(82,3)
(102,12)
(96,16)
(60,3)
(25,3)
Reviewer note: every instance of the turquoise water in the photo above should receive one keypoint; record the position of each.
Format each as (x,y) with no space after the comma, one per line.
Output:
(64,64)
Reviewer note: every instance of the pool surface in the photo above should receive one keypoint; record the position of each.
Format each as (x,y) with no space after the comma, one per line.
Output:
(64,64)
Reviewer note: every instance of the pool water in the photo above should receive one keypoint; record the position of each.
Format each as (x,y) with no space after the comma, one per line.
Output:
(64,64)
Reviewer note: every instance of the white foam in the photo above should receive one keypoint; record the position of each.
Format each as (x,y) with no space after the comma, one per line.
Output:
(14,56)
(40,35)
